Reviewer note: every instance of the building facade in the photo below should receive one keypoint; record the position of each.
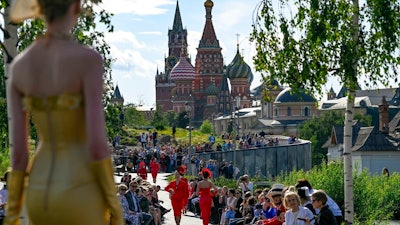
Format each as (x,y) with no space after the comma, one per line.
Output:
(203,90)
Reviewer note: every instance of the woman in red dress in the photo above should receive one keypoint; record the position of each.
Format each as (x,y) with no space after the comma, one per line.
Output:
(203,189)
(154,168)
(178,191)
(142,171)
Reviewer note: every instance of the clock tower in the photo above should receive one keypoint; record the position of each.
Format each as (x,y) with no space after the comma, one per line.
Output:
(177,45)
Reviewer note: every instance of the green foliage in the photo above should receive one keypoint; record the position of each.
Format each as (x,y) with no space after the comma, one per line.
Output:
(327,38)
(171,117)
(133,117)
(318,130)
(159,121)
(206,127)
(182,120)
(113,121)
(365,120)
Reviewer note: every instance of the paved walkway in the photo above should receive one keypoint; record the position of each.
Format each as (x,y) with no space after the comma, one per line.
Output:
(187,219)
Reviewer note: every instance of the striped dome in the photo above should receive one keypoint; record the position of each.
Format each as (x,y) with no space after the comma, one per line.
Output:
(211,90)
(183,70)
(238,68)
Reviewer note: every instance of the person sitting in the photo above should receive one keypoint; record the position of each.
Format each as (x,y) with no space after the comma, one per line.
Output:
(325,216)
(131,217)
(333,206)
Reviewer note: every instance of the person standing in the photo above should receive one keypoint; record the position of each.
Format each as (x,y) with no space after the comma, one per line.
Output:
(142,171)
(325,216)
(154,168)
(204,191)
(58,82)
(178,190)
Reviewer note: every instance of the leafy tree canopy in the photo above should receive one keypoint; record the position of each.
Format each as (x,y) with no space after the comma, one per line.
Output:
(302,43)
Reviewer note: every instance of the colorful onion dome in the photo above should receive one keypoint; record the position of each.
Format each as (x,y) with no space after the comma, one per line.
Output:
(211,90)
(238,68)
(288,95)
(183,70)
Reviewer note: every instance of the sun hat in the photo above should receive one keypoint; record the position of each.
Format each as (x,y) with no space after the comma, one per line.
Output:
(206,170)
(24,9)
(276,189)
(181,170)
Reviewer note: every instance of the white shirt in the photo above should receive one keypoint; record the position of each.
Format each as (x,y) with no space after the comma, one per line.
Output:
(291,218)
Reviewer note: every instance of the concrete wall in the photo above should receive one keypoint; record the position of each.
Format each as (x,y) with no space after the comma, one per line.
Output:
(270,161)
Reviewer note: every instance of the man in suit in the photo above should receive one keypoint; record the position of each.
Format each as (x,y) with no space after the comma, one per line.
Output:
(133,202)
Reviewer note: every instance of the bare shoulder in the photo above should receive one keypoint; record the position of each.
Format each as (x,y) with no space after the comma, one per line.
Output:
(88,55)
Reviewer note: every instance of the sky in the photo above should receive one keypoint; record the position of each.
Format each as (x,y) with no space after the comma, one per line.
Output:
(139,42)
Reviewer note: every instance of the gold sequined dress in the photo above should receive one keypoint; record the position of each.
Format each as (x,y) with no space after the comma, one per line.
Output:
(61,188)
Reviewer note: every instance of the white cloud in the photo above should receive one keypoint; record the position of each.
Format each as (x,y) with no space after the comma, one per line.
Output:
(233,14)
(137,7)
(132,63)
(128,39)
(151,33)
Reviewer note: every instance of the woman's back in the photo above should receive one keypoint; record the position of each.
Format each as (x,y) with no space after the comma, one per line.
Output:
(53,66)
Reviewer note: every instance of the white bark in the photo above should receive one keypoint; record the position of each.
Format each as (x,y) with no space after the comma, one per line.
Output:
(348,167)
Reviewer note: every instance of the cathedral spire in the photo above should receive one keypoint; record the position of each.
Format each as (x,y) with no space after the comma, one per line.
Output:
(209,39)
(177,26)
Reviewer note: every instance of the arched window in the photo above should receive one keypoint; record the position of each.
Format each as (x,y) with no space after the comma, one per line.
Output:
(276,112)
(306,111)
(289,111)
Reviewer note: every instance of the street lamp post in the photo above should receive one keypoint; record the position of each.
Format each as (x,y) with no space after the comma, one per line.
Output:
(189,110)
(237,126)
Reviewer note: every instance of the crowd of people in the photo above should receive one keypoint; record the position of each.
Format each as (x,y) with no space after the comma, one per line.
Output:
(299,204)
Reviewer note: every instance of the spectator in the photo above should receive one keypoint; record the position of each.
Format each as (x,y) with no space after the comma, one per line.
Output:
(305,201)
(325,216)
(385,172)
(3,197)
(133,217)
(143,140)
(275,195)
(296,214)
(333,206)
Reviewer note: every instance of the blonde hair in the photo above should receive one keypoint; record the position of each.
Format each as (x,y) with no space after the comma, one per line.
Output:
(288,195)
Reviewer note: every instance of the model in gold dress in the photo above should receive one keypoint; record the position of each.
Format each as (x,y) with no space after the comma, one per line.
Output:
(59,83)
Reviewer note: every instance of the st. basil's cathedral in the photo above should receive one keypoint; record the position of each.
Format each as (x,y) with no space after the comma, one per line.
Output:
(202,89)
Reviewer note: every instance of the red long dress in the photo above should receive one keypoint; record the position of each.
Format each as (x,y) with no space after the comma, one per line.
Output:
(180,196)
(154,168)
(205,204)
(142,171)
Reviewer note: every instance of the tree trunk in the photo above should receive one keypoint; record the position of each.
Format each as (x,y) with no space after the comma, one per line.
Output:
(348,167)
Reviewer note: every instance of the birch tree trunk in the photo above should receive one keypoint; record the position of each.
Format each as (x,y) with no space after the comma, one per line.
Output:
(348,167)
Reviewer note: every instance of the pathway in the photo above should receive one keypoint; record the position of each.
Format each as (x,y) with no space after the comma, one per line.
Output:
(188,218)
